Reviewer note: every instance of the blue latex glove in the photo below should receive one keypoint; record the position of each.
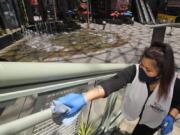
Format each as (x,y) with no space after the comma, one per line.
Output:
(73,100)
(58,114)
(167,125)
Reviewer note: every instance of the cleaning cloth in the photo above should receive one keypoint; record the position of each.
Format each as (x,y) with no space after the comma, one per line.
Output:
(59,114)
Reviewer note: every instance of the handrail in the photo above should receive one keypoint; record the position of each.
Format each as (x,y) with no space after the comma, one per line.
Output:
(47,87)
(19,73)
(159,31)
(47,77)
(33,119)
(165,25)
(18,125)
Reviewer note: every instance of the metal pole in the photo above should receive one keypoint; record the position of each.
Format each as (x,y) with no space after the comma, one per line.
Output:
(54,6)
(16,92)
(165,25)
(21,124)
(88,23)
(27,19)
(146,16)
(17,73)
(140,16)
(158,34)
(159,31)
(150,13)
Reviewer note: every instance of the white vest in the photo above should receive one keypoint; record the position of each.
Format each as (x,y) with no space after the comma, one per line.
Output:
(154,110)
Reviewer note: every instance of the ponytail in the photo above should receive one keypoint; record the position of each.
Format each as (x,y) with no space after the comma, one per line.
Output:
(168,71)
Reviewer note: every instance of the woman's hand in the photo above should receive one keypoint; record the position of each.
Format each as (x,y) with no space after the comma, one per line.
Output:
(168,122)
(167,125)
(74,101)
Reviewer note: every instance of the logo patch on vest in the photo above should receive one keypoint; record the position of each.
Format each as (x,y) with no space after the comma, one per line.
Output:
(157,107)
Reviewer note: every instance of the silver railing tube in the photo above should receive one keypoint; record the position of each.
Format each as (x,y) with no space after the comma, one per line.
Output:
(18,92)
(165,25)
(18,125)
(18,73)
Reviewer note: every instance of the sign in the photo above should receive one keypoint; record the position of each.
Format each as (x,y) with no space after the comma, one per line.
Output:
(166,18)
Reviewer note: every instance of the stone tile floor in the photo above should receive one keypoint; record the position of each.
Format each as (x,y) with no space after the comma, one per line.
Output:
(139,37)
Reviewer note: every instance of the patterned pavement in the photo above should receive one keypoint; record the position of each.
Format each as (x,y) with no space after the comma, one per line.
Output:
(139,37)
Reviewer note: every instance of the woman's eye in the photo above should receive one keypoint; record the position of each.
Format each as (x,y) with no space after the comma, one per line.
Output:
(148,70)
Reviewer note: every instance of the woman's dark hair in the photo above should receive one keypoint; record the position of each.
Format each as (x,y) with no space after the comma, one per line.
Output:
(162,53)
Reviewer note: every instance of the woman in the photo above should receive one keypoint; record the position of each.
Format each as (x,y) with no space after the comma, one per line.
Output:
(153,96)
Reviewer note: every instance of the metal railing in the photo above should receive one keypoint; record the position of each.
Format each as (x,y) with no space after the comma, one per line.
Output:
(24,123)
(24,79)
(159,31)
(39,80)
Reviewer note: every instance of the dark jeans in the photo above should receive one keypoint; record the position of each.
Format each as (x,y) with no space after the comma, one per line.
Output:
(144,130)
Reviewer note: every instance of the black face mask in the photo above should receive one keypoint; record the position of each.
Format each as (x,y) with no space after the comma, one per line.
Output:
(144,78)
